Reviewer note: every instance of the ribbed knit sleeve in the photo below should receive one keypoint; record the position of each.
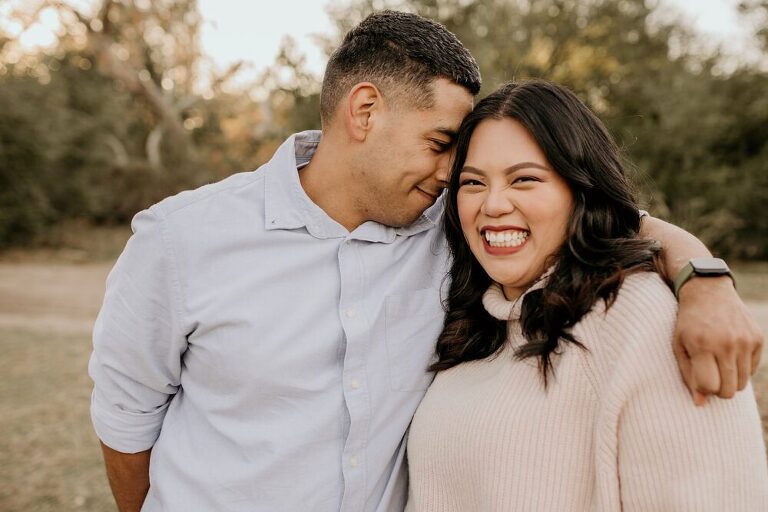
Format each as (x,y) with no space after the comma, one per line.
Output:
(654,449)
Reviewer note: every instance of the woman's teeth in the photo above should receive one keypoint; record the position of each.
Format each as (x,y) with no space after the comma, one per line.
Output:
(505,238)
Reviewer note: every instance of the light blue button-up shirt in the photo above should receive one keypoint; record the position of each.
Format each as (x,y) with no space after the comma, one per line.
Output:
(271,359)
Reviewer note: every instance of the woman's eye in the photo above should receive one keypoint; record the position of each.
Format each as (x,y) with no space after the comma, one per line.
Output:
(524,179)
(469,182)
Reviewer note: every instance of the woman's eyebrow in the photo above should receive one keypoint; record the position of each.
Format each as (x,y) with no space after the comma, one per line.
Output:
(511,168)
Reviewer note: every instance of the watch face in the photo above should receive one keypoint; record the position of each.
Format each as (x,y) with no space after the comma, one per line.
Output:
(704,266)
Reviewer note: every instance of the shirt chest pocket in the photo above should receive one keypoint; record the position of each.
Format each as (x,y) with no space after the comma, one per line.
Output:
(413,320)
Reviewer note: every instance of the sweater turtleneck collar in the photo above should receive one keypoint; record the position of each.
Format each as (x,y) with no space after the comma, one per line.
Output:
(501,308)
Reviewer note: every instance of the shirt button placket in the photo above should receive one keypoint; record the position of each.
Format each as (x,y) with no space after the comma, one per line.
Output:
(352,377)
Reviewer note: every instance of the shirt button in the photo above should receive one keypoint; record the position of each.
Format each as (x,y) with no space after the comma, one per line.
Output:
(355,383)
(353,461)
(350,313)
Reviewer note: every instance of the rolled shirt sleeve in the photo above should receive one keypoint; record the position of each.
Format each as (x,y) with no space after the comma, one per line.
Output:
(137,340)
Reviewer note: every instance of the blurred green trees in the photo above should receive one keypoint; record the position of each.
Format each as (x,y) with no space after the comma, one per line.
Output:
(117,117)
(114,118)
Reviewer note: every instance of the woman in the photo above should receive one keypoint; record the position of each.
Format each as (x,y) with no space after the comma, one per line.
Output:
(557,388)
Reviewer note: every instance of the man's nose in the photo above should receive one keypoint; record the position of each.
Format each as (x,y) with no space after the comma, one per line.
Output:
(444,168)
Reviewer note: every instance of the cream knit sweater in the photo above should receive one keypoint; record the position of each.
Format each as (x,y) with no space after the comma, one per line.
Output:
(616,430)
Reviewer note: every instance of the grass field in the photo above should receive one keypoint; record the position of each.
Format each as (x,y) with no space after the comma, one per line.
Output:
(50,460)
(50,456)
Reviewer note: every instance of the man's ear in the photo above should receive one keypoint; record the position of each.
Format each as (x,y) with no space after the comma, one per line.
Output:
(363,102)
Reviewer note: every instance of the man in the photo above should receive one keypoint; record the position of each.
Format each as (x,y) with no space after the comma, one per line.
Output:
(263,340)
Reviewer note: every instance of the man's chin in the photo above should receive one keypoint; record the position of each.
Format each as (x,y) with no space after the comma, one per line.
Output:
(401,219)
(428,196)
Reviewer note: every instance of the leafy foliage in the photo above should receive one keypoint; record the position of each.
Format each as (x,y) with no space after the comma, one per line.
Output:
(123,113)
(695,139)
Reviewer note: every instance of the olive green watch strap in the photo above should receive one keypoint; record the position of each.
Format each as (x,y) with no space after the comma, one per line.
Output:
(704,267)
(682,277)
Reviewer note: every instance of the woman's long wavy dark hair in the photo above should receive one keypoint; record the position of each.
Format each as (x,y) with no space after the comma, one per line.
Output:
(601,245)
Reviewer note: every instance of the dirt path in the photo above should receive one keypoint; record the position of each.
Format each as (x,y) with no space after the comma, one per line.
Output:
(66,297)
(760,312)
(63,298)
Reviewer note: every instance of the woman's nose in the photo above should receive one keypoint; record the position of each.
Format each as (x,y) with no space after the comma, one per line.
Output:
(497,203)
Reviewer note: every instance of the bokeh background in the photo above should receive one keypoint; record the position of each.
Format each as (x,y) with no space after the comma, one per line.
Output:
(107,106)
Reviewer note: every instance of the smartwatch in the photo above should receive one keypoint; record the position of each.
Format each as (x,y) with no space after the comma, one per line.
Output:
(704,267)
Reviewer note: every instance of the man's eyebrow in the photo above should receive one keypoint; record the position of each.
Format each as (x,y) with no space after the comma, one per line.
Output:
(451,134)
(512,168)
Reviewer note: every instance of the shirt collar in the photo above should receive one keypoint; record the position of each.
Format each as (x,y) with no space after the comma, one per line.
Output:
(287,206)
(428,220)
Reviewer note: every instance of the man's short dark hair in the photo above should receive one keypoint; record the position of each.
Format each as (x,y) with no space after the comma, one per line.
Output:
(400,53)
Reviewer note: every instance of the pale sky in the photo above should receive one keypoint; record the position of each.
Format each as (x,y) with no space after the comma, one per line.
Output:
(250,31)
(232,32)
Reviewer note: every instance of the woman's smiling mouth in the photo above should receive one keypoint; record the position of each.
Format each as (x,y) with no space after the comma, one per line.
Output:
(500,240)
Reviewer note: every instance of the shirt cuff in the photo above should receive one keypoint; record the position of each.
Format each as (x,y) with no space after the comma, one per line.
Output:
(125,431)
